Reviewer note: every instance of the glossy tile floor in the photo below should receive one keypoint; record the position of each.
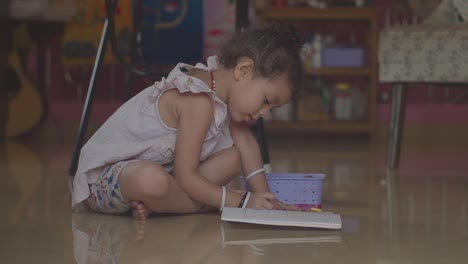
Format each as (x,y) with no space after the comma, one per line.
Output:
(418,214)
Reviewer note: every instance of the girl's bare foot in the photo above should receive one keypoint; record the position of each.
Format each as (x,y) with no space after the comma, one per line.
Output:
(139,210)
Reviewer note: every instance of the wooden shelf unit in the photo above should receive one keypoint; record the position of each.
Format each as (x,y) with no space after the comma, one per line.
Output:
(351,14)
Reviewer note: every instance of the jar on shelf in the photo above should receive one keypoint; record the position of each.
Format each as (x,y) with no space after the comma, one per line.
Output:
(343,101)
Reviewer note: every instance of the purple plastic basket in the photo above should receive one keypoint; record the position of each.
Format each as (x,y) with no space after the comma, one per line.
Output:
(301,189)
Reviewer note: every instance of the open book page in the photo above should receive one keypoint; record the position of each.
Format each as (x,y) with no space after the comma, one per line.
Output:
(244,234)
(282,218)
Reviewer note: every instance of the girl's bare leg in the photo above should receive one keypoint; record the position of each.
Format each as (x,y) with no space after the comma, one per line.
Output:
(158,191)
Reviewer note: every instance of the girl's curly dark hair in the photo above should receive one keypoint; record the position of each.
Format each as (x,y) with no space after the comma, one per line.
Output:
(274,50)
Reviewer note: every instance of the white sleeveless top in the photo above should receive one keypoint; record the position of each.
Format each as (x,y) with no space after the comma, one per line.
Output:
(136,131)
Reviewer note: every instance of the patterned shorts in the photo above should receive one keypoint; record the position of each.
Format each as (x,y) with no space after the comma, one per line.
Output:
(105,193)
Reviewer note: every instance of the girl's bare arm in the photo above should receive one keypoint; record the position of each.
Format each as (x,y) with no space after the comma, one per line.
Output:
(195,114)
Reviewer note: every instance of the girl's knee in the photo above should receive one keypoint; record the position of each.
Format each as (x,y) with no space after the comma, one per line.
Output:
(152,181)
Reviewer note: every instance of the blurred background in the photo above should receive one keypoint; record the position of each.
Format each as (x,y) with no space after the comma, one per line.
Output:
(339,125)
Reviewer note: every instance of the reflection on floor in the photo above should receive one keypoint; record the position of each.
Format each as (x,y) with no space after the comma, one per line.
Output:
(417,214)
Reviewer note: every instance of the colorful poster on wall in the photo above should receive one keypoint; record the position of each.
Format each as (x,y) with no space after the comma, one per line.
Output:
(83,33)
(172,31)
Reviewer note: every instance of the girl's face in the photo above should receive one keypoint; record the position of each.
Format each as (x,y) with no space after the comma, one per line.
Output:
(252,97)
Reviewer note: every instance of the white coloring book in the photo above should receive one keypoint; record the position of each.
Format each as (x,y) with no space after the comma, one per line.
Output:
(325,220)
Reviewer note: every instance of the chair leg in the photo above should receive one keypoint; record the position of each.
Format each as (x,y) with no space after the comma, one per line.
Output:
(396,124)
(89,99)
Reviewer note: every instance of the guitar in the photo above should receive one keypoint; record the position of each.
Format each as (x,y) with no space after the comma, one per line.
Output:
(26,108)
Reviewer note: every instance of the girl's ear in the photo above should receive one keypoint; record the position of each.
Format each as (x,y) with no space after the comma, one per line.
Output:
(244,68)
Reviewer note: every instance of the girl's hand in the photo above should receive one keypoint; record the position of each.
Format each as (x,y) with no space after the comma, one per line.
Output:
(268,201)
(278,205)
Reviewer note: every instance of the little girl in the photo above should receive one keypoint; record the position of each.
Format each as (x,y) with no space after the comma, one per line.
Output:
(174,146)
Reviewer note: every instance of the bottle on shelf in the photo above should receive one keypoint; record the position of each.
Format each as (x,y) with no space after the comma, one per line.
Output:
(343,103)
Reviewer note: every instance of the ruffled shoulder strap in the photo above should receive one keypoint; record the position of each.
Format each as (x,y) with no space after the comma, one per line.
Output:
(185,83)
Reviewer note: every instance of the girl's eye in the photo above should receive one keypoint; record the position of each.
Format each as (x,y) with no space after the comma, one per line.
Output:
(266,101)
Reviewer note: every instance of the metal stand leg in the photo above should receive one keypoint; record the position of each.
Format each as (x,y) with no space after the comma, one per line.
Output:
(396,124)
(129,86)
(259,131)
(89,99)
